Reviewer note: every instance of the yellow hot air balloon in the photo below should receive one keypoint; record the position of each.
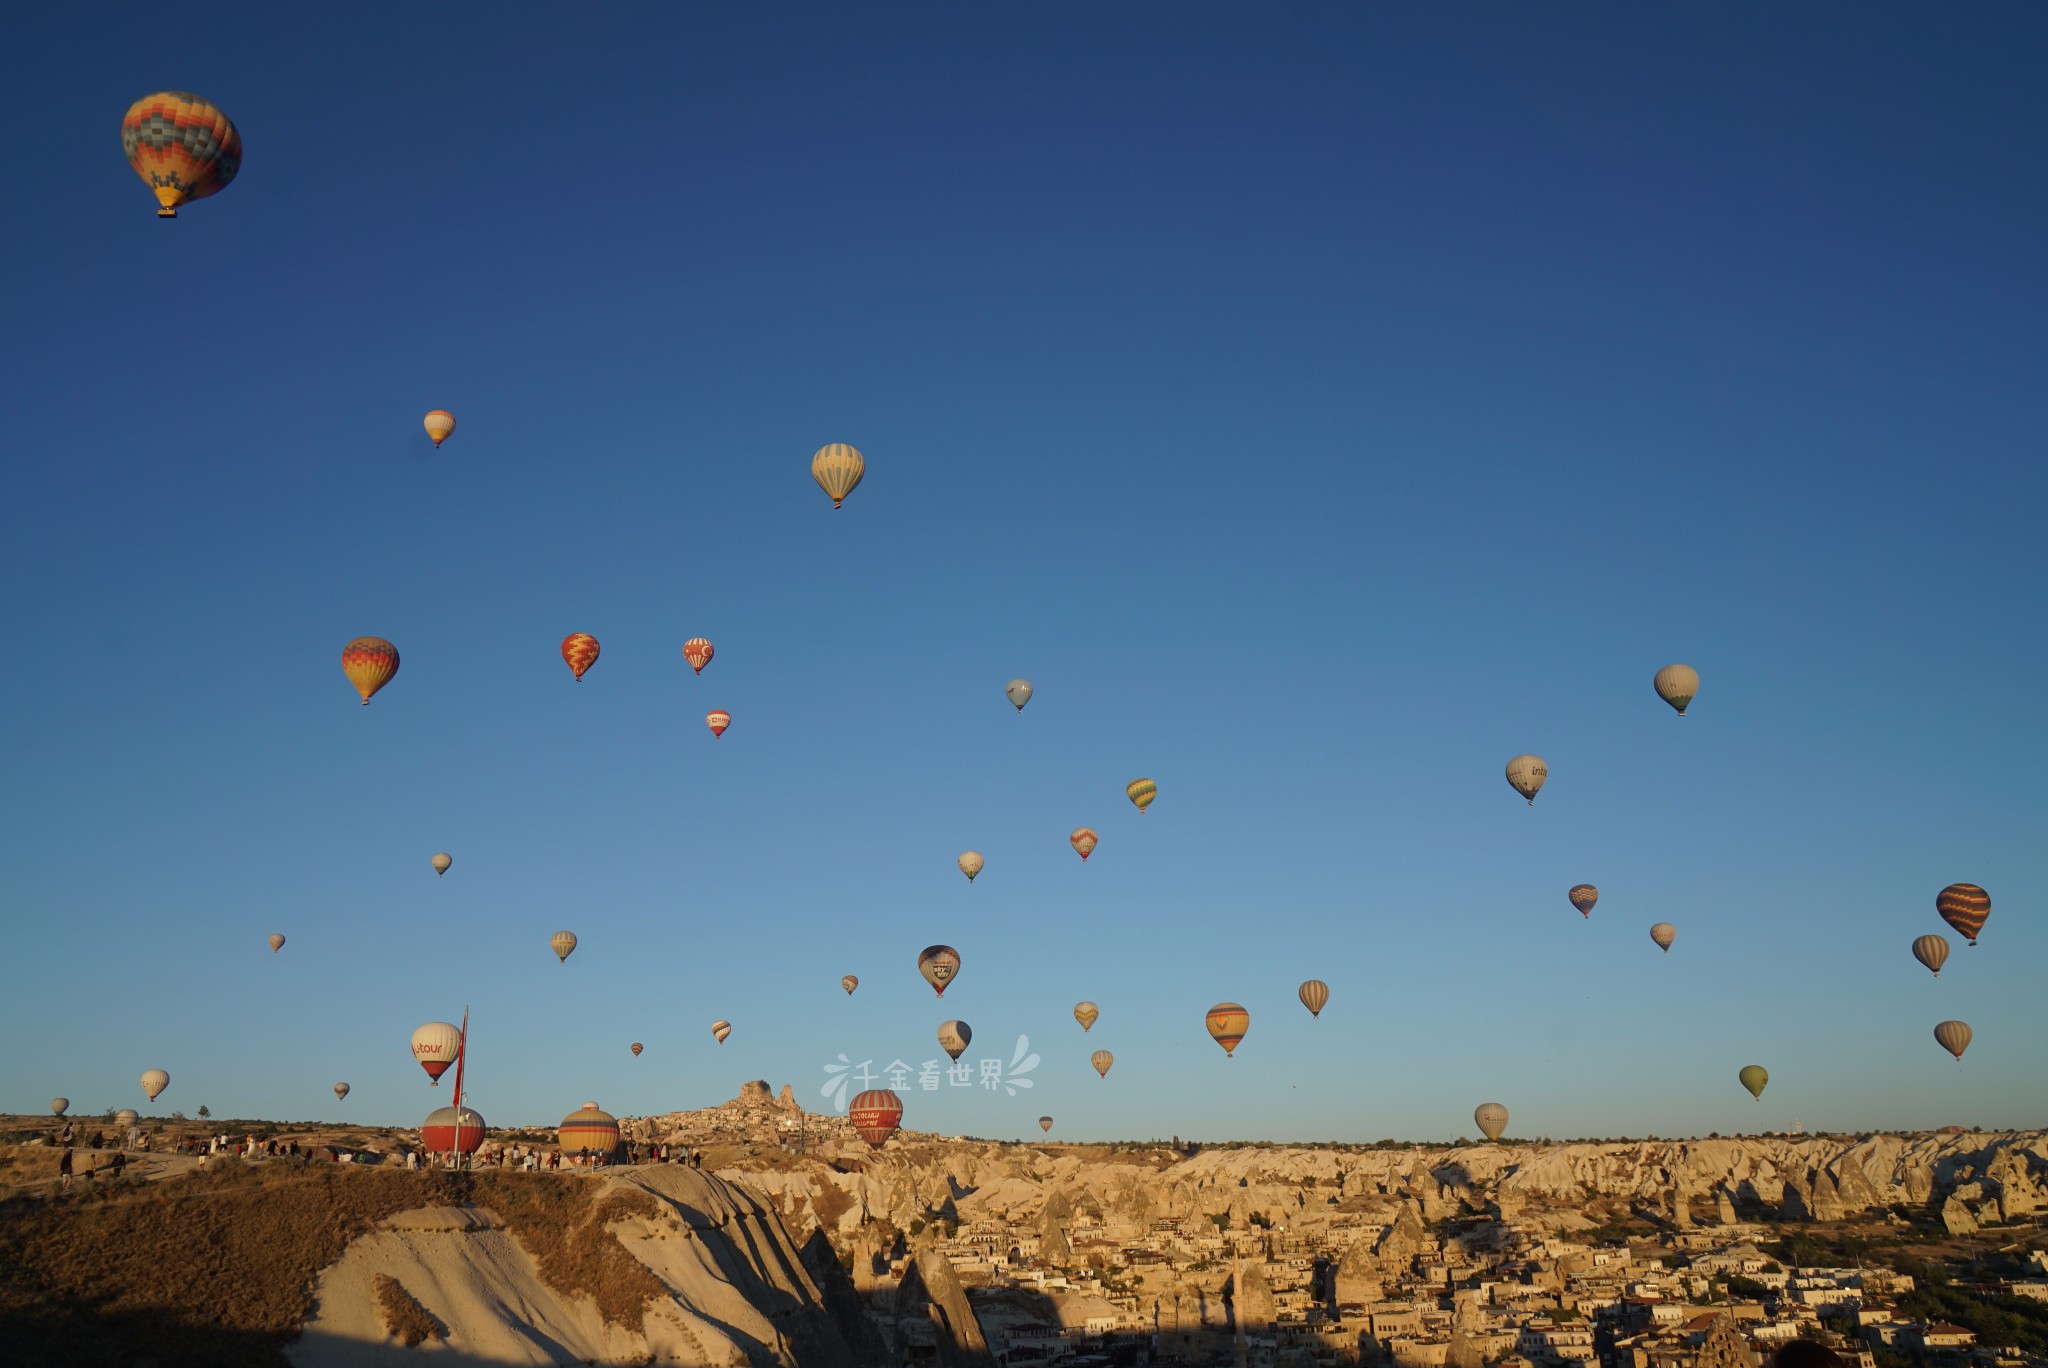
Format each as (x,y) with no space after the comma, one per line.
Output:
(970,863)
(369,662)
(849,983)
(1315,995)
(276,942)
(579,653)
(563,943)
(1085,1013)
(1102,1059)
(439,424)
(183,148)
(1142,792)
(1526,774)
(1491,1118)
(720,1030)
(1676,685)
(1954,1036)
(1754,1077)
(838,468)
(1227,1024)
(1931,951)
(154,1081)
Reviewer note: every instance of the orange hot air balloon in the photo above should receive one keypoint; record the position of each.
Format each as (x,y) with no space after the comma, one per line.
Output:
(1965,907)
(183,148)
(637,1048)
(718,719)
(876,1114)
(579,651)
(1083,841)
(439,424)
(369,663)
(698,652)
(1227,1025)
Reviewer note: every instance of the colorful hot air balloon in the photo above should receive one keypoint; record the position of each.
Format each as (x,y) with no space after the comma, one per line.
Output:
(1102,1059)
(849,983)
(955,1037)
(1142,792)
(1085,1013)
(59,1105)
(1583,896)
(1045,1124)
(1526,774)
(439,423)
(876,1114)
(276,942)
(698,652)
(1018,691)
(1664,933)
(1083,841)
(183,148)
(1676,685)
(720,1030)
(442,861)
(970,863)
(838,468)
(1491,1118)
(154,1081)
(1931,951)
(369,662)
(938,964)
(436,1046)
(1227,1025)
(340,1091)
(1754,1077)
(636,1047)
(563,943)
(1964,906)
(589,1130)
(1954,1036)
(579,652)
(1315,995)
(718,719)
(447,1131)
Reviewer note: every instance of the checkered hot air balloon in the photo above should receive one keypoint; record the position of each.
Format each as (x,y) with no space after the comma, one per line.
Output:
(369,662)
(183,148)
(579,652)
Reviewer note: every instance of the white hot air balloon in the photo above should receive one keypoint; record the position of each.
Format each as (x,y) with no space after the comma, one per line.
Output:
(442,861)
(1526,774)
(436,1046)
(154,1081)
(1491,1118)
(970,863)
(1018,691)
(1676,685)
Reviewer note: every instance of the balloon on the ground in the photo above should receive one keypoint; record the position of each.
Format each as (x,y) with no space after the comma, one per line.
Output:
(563,943)
(154,1081)
(1315,995)
(1664,933)
(1526,774)
(439,423)
(1931,951)
(1954,1036)
(276,942)
(849,983)
(436,1046)
(1083,840)
(441,1133)
(970,863)
(938,964)
(876,1114)
(340,1091)
(183,148)
(955,1037)
(718,719)
(59,1105)
(1227,1024)
(838,468)
(442,861)
(1018,691)
(636,1047)
(1045,1124)
(1085,1013)
(1676,685)
(720,1030)
(698,652)
(1964,906)
(1754,1077)
(1102,1060)
(589,1130)
(1141,792)
(579,652)
(369,662)
(1491,1118)
(1583,896)
(125,1119)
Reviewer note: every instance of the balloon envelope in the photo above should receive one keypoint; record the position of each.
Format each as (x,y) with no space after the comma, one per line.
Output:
(369,662)
(838,468)
(1085,1013)
(442,861)
(849,983)
(59,1105)
(718,719)
(1142,792)
(698,652)
(1754,1077)
(183,148)
(637,1047)
(1102,1059)
(154,1081)
(442,1133)
(1526,774)
(1964,906)
(1227,1024)
(1676,685)
(955,1037)
(125,1118)
(720,1030)
(579,652)
(939,964)
(436,1046)
(439,423)
(1315,995)
(876,1114)
(1045,1124)
(1931,951)
(1583,896)
(1083,841)
(970,863)
(276,942)
(1664,933)
(1954,1036)
(340,1091)
(563,943)
(1491,1118)
(1018,691)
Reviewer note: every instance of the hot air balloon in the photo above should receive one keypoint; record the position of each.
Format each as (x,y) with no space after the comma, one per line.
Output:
(1755,1077)
(443,1133)
(563,943)
(442,861)
(183,148)
(369,662)
(1931,951)
(720,1030)
(876,1114)
(154,1081)
(1491,1118)
(1142,792)
(436,1046)
(1083,841)
(1964,906)
(1664,933)
(954,1037)
(1315,995)
(838,468)
(579,652)
(589,1130)
(59,1105)
(970,863)
(439,424)
(1676,685)
(1227,1025)
(1018,691)
(938,964)
(849,983)
(124,1121)
(718,719)
(1102,1059)
(1954,1037)
(276,942)
(698,652)
(1583,896)
(637,1047)
(340,1091)
(1085,1013)
(1526,774)
(1045,1124)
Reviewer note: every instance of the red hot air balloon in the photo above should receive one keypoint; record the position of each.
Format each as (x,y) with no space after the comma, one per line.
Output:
(369,662)
(698,652)
(876,1114)
(1083,841)
(579,650)
(718,719)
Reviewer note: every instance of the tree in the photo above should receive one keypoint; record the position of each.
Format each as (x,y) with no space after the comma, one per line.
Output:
(203,1112)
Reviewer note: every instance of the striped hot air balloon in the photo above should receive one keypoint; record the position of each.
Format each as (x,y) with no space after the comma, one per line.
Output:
(838,468)
(876,1114)
(698,652)
(1315,995)
(970,863)
(1931,951)
(1045,1124)
(579,652)
(636,1047)
(1583,896)
(1086,1013)
(1676,685)
(183,148)
(563,943)
(720,1030)
(939,964)
(369,662)
(1083,840)
(849,983)
(1964,906)
(718,719)
(1102,1060)
(439,423)
(1227,1024)
(589,1130)
(1141,792)
(1954,1036)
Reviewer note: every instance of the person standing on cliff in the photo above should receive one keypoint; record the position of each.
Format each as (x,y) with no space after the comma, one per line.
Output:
(64,1170)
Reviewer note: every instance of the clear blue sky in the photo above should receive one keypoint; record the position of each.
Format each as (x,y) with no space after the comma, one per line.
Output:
(1320,404)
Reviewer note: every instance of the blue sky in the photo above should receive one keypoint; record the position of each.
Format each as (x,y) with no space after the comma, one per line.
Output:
(1320,404)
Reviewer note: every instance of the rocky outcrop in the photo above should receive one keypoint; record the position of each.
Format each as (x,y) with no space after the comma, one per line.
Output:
(958,1336)
(1252,1299)
(843,1302)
